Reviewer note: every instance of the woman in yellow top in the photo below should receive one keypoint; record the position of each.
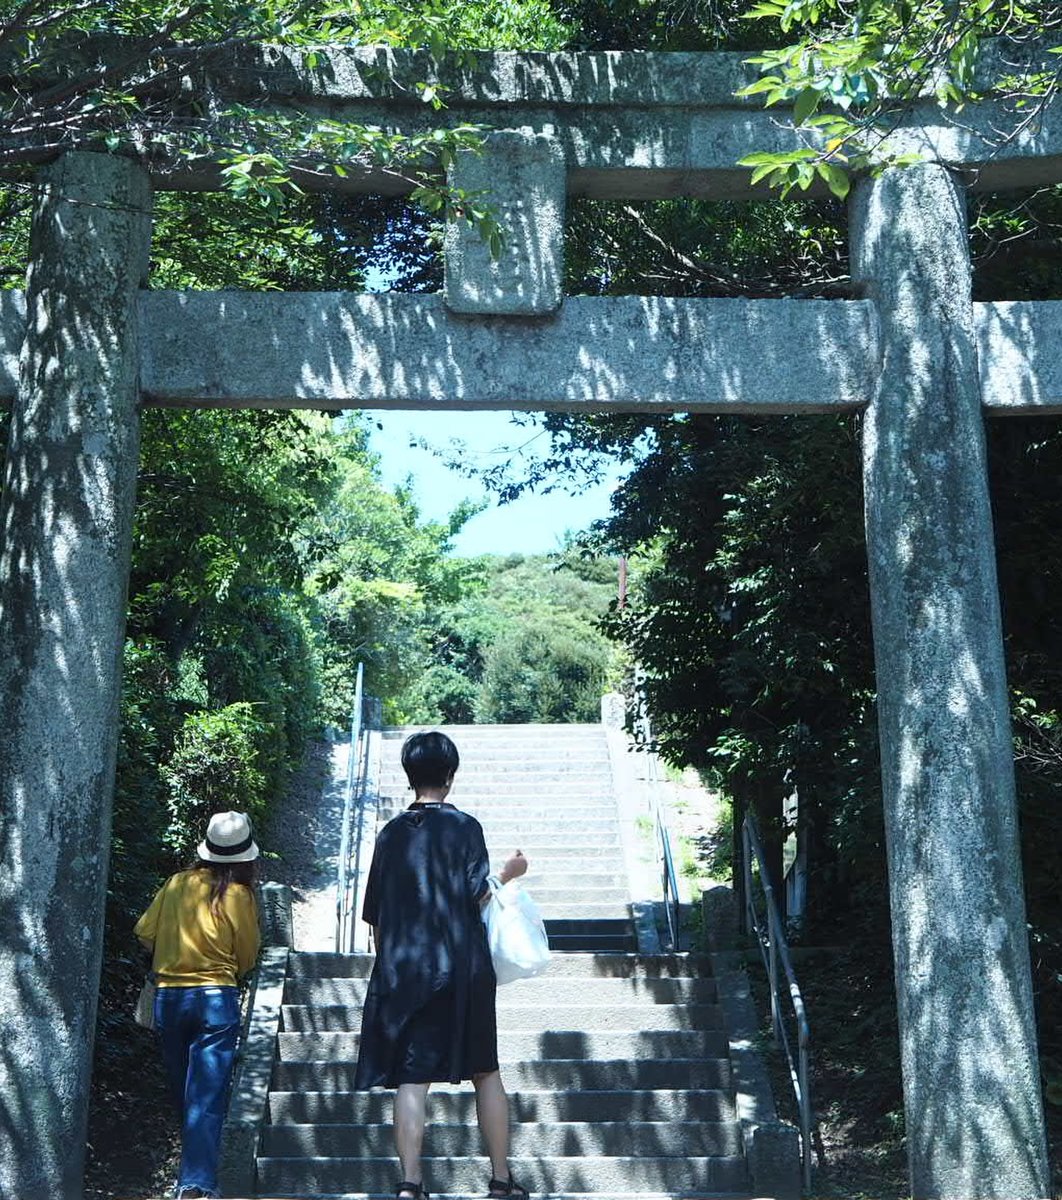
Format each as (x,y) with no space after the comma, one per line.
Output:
(202,928)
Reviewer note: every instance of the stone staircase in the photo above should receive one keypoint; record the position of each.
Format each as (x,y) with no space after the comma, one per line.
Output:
(617,1063)
(546,790)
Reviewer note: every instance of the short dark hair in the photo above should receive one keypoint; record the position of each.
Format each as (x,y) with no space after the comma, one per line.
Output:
(429,760)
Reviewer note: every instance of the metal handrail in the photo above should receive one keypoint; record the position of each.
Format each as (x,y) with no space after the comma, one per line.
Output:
(774,950)
(353,814)
(658,814)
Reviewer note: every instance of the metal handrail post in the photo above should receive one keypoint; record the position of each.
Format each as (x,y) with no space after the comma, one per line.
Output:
(343,876)
(805,1104)
(357,734)
(668,875)
(772,951)
(749,915)
(775,953)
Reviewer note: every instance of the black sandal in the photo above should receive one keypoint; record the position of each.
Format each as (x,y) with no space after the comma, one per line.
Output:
(500,1189)
(415,1190)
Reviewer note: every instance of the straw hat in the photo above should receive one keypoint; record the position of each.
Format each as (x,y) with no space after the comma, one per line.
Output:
(228,839)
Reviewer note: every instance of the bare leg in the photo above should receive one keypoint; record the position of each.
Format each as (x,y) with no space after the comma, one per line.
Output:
(492,1109)
(410,1111)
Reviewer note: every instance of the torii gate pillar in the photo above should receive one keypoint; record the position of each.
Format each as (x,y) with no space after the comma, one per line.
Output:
(65,533)
(967,1031)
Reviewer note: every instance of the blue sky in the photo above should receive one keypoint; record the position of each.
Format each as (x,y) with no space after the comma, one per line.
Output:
(534,524)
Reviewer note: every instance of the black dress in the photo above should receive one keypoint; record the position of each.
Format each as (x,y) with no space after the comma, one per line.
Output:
(429,1009)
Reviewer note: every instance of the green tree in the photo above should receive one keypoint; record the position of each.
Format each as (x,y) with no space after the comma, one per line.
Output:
(546,669)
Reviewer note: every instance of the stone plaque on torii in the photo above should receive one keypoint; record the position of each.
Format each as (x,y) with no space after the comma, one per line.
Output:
(85,346)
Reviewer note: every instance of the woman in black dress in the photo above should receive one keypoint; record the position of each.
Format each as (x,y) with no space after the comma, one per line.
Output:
(429,1010)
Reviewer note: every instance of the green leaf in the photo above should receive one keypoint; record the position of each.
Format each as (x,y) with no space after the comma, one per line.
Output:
(836,178)
(805,104)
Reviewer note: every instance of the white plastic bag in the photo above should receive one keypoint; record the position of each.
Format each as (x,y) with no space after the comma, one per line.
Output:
(515,932)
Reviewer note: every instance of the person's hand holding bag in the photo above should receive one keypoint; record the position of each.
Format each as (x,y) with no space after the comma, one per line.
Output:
(516,934)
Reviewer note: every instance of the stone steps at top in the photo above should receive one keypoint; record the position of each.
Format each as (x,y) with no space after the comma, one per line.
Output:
(642,968)
(555,1138)
(496,800)
(530,1017)
(547,790)
(305,1176)
(312,1046)
(449,1105)
(617,1066)
(546,990)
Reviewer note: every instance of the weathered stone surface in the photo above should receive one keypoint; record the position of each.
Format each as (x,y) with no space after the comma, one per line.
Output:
(621,153)
(971,1079)
(249,1098)
(1019,352)
(231,349)
(523,174)
(65,535)
(495,77)
(633,125)
(275,915)
(12,335)
(624,353)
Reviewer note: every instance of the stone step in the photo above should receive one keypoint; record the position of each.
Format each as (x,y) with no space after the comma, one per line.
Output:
(561,824)
(458,1104)
(544,764)
(547,840)
(568,911)
(483,796)
(571,925)
(611,1075)
(652,1139)
(328,965)
(544,1045)
(641,966)
(535,758)
(490,735)
(503,843)
(597,875)
(701,1194)
(531,822)
(544,989)
(500,841)
(529,1018)
(592,766)
(490,797)
(604,892)
(292,1177)
(528,756)
(555,850)
(598,943)
(401,731)
(605,856)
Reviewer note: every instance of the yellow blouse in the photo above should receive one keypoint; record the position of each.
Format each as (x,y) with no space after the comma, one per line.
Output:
(193,947)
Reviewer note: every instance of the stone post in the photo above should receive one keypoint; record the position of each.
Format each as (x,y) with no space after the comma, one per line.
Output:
(968,1042)
(66,527)
(524,179)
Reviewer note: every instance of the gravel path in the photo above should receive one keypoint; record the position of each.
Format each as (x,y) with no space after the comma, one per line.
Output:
(300,847)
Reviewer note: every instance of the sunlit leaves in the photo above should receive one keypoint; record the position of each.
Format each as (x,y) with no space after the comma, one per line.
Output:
(59,97)
(854,71)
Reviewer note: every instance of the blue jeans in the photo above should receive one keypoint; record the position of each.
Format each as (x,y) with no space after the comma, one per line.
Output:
(198,1027)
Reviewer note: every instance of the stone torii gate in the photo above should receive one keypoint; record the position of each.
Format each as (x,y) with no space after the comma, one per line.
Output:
(85,346)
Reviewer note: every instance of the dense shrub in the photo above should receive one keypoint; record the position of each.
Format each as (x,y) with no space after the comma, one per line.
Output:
(545,670)
(214,766)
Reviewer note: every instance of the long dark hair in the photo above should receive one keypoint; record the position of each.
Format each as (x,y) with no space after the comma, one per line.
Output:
(223,875)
